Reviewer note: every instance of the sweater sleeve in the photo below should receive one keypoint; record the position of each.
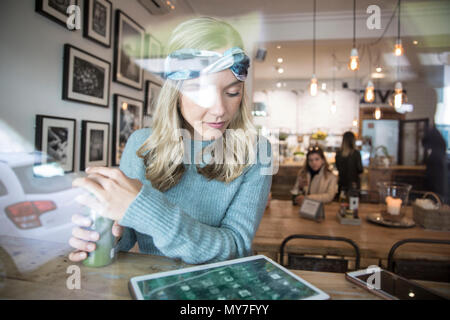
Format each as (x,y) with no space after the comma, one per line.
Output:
(331,191)
(129,168)
(178,235)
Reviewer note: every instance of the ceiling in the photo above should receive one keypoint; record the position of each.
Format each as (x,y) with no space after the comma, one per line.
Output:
(298,54)
(298,59)
(231,8)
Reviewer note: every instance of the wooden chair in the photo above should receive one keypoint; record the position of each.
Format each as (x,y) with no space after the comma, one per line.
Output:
(419,269)
(324,264)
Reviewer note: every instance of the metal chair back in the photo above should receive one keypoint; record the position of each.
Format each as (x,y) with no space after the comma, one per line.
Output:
(324,264)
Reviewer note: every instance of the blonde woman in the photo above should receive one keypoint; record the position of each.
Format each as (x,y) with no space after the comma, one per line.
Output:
(194,186)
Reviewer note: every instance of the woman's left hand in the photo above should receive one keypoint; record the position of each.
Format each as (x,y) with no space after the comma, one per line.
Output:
(299,199)
(113,190)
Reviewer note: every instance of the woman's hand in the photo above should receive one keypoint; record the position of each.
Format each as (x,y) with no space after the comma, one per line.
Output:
(299,199)
(113,191)
(84,240)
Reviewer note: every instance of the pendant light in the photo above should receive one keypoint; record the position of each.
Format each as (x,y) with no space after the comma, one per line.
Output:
(398,97)
(353,64)
(333,101)
(377,114)
(398,49)
(369,93)
(313,84)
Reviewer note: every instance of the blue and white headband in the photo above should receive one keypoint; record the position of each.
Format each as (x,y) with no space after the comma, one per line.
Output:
(187,63)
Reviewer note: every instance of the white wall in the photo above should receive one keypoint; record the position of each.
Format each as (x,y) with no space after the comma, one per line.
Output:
(304,114)
(31,55)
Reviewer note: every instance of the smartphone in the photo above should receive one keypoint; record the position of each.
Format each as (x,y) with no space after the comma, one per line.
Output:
(390,286)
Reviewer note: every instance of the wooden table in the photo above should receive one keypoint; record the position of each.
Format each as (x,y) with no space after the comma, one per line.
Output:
(33,269)
(282,219)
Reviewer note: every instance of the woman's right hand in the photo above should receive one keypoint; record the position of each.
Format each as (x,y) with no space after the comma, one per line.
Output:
(84,240)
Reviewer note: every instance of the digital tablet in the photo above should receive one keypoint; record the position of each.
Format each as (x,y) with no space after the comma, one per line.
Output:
(250,278)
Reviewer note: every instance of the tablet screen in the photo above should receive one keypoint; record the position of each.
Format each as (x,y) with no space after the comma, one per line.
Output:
(256,279)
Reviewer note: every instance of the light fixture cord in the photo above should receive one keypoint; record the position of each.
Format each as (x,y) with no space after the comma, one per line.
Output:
(398,21)
(354,23)
(314,38)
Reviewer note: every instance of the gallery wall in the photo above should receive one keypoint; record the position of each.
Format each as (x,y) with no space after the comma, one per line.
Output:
(31,76)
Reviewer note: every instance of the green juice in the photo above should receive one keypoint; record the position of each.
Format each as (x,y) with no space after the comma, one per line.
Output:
(104,253)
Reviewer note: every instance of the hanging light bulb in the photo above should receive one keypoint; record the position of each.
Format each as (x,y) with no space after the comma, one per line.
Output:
(313,86)
(398,51)
(354,60)
(377,113)
(369,94)
(398,98)
(333,107)
(355,123)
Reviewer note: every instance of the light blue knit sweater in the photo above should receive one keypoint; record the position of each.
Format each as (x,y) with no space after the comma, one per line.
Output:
(198,220)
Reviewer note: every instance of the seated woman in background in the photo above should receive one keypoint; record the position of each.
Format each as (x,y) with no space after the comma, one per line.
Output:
(348,163)
(315,180)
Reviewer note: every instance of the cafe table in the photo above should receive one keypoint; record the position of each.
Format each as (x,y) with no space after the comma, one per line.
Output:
(282,219)
(32,269)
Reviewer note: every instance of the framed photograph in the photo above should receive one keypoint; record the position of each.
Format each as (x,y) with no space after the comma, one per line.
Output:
(56,137)
(98,21)
(128,114)
(152,47)
(152,91)
(129,48)
(86,77)
(55,10)
(94,144)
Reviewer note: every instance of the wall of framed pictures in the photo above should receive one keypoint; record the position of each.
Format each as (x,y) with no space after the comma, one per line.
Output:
(61,74)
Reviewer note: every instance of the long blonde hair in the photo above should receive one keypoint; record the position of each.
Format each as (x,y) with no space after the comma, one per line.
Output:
(163,150)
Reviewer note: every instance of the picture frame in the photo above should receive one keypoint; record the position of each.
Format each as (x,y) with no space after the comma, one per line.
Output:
(94,144)
(56,137)
(128,48)
(55,10)
(152,90)
(86,78)
(98,21)
(152,47)
(128,116)
(152,55)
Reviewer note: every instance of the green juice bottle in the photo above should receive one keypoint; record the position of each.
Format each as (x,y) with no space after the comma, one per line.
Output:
(104,253)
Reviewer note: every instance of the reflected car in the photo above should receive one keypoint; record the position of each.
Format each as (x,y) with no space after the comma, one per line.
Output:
(37,199)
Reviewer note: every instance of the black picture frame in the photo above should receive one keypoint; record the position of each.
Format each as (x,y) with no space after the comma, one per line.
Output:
(54,11)
(86,78)
(152,91)
(98,21)
(125,124)
(56,137)
(94,144)
(153,47)
(126,71)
